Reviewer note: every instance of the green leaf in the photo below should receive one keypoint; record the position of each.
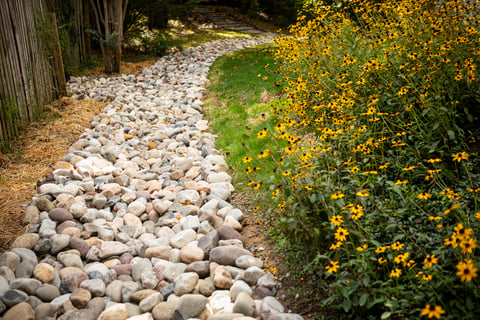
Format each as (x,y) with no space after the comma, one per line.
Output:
(321,256)
(385,315)
(434,146)
(347,304)
(451,134)
(374,302)
(366,280)
(469,303)
(363,299)
(448,174)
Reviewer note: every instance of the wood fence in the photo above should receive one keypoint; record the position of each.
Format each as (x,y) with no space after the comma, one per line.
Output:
(27,80)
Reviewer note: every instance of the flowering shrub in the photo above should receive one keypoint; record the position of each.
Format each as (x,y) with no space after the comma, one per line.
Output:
(378,185)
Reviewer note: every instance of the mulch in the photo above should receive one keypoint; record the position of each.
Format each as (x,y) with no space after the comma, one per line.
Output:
(32,156)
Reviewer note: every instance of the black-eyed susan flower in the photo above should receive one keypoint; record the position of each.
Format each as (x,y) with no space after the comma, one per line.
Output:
(468,245)
(264,154)
(382,260)
(432,311)
(401,258)
(383,166)
(332,267)
(397,246)
(356,211)
(341,234)
(363,247)
(466,270)
(426,277)
(395,273)
(399,182)
(410,264)
(336,245)
(430,260)
(424,196)
(262,133)
(398,143)
(337,195)
(381,249)
(454,207)
(461,232)
(247,159)
(450,194)
(336,220)
(362,193)
(289,149)
(460,156)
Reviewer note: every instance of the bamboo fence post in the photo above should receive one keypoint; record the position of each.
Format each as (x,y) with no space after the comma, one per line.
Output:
(57,54)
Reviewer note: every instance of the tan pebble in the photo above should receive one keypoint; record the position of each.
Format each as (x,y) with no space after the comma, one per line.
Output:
(189,254)
(111,263)
(44,272)
(62,165)
(71,231)
(27,241)
(64,272)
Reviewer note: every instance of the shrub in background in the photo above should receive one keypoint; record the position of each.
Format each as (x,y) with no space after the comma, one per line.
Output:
(156,12)
(378,187)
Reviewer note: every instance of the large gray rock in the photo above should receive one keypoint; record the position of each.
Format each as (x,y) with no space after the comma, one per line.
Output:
(244,304)
(285,316)
(164,310)
(182,238)
(208,242)
(112,248)
(189,306)
(185,283)
(226,255)
(270,306)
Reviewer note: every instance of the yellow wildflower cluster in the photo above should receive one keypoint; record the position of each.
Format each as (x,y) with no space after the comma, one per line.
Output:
(374,154)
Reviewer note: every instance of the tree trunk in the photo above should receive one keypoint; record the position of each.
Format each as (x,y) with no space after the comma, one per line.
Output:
(111,14)
(117,25)
(86,17)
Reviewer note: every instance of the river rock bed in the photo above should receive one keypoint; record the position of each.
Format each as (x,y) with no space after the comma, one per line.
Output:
(135,220)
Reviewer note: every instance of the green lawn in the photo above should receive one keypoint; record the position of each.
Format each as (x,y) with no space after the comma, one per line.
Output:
(241,92)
